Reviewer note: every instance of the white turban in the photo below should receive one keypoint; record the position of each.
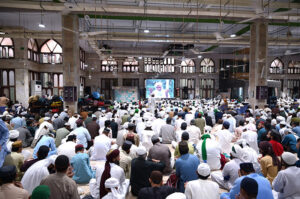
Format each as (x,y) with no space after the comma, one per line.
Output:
(13,134)
(112,184)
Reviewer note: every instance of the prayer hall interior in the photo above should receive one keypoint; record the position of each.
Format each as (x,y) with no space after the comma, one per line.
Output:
(149,99)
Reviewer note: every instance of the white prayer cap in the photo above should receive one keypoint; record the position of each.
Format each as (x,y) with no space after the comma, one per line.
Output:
(141,150)
(289,158)
(99,109)
(94,116)
(103,110)
(111,183)
(13,134)
(282,123)
(280,118)
(46,118)
(55,115)
(176,195)
(66,110)
(281,109)
(273,122)
(67,124)
(248,119)
(203,169)
(268,110)
(132,112)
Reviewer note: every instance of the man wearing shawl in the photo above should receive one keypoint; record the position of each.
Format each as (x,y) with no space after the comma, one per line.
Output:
(34,175)
(209,151)
(110,169)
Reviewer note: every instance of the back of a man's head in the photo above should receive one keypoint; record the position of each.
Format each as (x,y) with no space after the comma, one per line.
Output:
(71,138)
(43,152)
(249,188)
(7,174)
(61,163)
(183,147)
(183,126)
(246,168)
(156,178)
(169,120)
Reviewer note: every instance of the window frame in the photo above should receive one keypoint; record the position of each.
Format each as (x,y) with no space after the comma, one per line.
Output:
(188,68)
(208,68)
(293,69)
(277,69)
(133,68)
(50,53)
(9,47)
(159,65)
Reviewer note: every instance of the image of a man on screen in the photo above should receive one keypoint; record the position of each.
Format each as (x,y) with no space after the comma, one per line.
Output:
(159,91)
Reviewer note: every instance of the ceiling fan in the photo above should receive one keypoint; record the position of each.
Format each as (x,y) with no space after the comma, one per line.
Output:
(219,37)
(85,35)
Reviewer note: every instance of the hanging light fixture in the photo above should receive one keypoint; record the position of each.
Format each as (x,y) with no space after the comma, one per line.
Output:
(42,25)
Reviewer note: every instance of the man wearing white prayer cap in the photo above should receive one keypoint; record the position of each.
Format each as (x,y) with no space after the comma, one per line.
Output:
(229,174)
(202,188)
(287,180)
(112,186)
(176,195)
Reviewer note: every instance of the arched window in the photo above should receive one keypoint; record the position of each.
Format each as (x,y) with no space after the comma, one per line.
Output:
(187,66)
(294,67)
(32,50)
(109,65)
(130,65)
(207,65)
(276,66)
(6,48)
(51,52)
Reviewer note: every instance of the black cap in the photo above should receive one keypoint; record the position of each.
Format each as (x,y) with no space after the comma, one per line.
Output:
(126,145)
(7,172)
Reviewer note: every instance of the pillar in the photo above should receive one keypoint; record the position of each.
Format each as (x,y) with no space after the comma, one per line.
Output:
(71,63)
(21,71)
(258,70)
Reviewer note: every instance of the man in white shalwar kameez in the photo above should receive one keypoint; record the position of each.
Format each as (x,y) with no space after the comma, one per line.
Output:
(213,152)
(229,174)
(202,188)
(115,171)
(224,137)
(36,173)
